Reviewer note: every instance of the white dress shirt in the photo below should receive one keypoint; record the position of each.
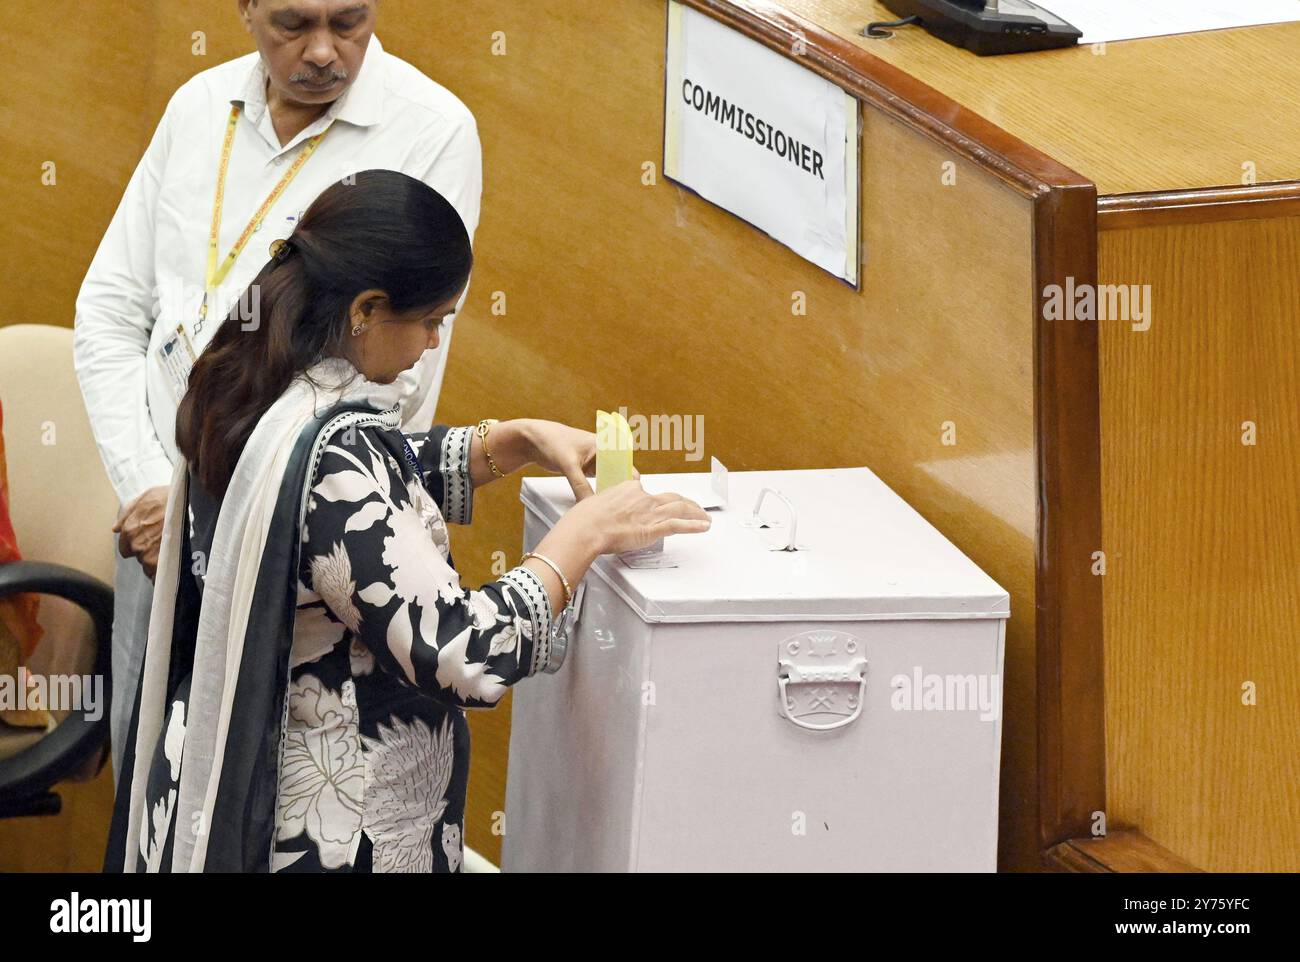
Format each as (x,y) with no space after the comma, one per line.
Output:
(148,274)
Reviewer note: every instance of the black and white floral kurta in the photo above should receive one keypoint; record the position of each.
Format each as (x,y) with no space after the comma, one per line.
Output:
(388,649)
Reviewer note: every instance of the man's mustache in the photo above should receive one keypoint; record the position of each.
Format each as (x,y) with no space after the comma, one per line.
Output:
(302,77)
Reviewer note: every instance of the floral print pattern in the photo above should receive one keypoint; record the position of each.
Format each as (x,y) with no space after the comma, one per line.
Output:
(322,773)
(157,818)
(388,652)
(451,846)
(406,645)
(331,574)
(408,770)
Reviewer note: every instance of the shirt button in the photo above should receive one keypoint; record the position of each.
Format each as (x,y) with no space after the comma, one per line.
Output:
(278,161)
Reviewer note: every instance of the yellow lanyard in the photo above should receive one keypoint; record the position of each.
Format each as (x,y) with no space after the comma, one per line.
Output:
(214,274)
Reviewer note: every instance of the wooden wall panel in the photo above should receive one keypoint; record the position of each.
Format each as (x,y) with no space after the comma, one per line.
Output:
(86,99)
(1202,591)
(619,293)
(646,296)
(80,101)
(79,79)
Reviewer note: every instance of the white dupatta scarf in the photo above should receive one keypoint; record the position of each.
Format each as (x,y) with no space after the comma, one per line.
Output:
(232,570)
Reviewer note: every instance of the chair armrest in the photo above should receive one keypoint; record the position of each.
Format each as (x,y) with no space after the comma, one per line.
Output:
(57,755)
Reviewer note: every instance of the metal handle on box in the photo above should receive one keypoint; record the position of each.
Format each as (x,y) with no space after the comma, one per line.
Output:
(829,668)
(812,726)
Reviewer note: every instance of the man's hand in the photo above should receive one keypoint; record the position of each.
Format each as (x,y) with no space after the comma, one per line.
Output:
(140,526)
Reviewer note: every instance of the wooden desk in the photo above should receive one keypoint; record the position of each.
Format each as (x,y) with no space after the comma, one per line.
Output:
(1153,115)
(1192,145)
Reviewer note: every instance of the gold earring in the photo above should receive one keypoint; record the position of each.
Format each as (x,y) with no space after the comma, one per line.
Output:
(356,330)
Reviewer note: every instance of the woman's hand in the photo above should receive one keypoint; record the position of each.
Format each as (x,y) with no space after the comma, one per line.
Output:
(627,518)
(564,450)
(548,444)
(619,519)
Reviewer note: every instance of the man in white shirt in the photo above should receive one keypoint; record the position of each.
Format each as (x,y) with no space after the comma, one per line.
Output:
(152,294)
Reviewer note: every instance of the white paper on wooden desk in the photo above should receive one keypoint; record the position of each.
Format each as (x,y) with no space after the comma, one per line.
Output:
(1102,21)
(759,134)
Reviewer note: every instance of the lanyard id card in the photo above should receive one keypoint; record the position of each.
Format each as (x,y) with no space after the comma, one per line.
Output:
(215,272)
(176,356)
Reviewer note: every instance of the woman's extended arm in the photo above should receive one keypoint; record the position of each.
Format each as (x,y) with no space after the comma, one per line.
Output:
(515,444)
(622,519)
(511,446)
(373,550)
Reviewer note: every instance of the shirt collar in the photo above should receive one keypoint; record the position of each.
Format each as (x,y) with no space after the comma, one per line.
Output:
(361,104)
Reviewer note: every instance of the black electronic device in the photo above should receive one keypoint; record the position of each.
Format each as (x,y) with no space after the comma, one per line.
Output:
(989,27)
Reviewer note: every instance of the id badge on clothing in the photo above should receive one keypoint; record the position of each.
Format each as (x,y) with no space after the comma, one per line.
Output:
(177,357)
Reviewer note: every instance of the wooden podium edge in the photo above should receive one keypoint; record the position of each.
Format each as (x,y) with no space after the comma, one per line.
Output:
(1068,599)
(1200,206)
(1067,413)
(894,92)
(1124,850)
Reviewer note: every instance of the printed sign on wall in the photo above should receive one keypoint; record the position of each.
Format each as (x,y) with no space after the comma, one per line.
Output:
(761,135)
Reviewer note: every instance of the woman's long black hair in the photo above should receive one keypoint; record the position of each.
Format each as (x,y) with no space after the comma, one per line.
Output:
(378,229)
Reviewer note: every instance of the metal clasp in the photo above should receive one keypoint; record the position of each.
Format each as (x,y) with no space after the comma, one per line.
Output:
(821,674)
(562,631)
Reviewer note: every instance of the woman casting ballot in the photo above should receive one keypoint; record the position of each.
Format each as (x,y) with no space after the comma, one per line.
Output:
(311,649)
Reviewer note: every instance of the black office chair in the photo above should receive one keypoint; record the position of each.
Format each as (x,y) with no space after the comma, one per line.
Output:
(62,508)
(28,777)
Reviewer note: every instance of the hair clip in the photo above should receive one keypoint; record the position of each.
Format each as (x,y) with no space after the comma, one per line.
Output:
(280,249)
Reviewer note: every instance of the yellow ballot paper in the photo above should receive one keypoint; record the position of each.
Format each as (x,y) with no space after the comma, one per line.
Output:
(613,450)
(614,466)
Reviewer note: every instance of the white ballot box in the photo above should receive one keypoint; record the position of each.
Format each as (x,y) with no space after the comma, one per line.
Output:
(753,708)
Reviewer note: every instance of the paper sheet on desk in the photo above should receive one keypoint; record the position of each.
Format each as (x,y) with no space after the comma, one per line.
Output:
(1106,20)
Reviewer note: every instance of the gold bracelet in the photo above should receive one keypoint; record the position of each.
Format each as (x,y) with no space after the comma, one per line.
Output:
(482,430)
(568,592)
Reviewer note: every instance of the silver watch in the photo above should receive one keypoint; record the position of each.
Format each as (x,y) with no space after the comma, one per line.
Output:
(562,631)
